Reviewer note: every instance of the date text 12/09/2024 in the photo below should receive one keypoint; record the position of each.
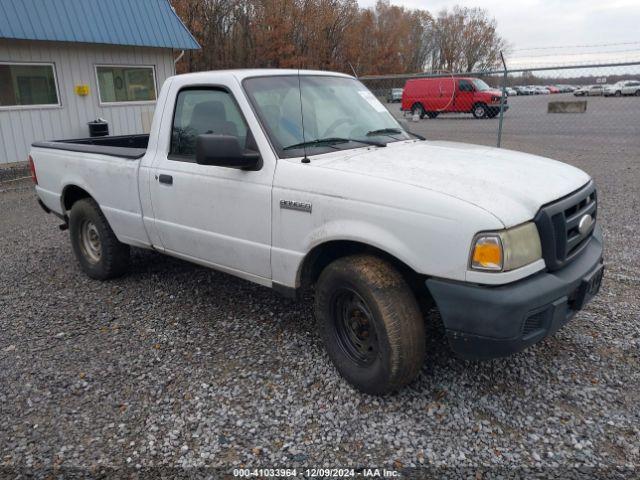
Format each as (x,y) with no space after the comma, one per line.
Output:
(316,472)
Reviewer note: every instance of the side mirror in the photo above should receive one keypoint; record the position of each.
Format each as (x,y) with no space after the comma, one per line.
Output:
(225,151)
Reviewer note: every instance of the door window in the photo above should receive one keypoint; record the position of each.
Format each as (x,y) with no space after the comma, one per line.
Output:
(465,86)
(204,111)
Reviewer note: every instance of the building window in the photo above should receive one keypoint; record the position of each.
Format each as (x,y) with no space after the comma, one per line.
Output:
(118,84)
(28,85)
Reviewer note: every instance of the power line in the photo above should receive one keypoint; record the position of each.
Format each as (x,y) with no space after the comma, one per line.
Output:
(560,54)
(551,47)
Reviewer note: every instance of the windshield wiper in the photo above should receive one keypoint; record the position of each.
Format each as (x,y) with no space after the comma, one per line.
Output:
(390,131)
(331,141)
(384,131)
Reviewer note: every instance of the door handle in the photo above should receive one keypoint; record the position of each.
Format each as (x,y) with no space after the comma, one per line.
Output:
(166,179)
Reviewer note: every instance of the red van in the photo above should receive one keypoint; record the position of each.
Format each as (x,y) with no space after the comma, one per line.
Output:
(432,96)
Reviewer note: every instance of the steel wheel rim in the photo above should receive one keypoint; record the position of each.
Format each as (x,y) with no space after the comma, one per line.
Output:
(354,327)
(90,241)
(480,111)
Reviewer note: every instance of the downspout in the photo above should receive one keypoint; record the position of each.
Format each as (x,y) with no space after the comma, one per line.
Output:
(175,62)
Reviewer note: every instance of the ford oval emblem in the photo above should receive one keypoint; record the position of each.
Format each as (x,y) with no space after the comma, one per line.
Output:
(585,223)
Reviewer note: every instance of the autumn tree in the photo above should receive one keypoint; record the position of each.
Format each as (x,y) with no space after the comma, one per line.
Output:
(335,35)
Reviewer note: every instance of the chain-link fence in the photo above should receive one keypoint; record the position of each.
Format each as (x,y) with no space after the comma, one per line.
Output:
(547,111)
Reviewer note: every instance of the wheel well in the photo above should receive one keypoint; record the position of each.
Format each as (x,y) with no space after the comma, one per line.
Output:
(322,255)
(71,194)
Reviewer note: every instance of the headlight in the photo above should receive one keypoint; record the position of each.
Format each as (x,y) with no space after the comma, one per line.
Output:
(506,250)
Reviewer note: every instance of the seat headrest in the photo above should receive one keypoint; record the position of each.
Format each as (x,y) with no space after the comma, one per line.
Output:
(206,113)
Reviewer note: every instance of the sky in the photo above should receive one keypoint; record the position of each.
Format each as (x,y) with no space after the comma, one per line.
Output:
(565,24)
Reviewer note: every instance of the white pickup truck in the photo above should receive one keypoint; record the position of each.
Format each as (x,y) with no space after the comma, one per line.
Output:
(303,179)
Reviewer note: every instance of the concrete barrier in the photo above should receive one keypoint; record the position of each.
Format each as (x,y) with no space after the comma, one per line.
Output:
(576,106)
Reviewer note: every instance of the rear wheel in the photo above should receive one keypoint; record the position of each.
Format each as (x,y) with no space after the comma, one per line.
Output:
(418,109)
(100,254)
(618,93)
(637,93)
(370,323)
(479,110)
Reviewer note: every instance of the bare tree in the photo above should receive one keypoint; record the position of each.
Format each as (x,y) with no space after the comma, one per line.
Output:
(466,39)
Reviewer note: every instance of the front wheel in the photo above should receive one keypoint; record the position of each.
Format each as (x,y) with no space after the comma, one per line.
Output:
(100,254)
(418,109)
(480,110)
(370,323)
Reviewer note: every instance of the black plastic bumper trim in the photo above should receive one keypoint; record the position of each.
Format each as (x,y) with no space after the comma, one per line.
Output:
(487,322)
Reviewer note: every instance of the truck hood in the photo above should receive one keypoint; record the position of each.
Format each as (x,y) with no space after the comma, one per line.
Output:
(510,185)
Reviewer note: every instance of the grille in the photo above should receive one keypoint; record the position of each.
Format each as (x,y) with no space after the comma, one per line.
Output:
(558,224)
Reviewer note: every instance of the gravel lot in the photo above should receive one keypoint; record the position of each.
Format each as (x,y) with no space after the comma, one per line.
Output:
(178,366)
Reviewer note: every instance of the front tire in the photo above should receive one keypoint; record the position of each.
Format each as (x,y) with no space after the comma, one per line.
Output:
(100,255)
(479,110)
(418,109)
(370,323)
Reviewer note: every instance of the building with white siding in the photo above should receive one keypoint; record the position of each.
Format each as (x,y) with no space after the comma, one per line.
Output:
(64,63)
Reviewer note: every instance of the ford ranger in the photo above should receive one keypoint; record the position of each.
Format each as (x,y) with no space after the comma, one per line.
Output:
(303,179)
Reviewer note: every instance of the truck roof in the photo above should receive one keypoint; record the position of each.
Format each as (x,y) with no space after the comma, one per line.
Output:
(243,73)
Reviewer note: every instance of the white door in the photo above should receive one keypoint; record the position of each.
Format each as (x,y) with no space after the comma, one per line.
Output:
(213,215)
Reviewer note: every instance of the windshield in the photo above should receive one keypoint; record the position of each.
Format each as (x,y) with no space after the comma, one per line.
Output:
(480,85)
(339,113)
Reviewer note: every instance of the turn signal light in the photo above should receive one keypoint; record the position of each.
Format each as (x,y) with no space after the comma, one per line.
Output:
(487,253)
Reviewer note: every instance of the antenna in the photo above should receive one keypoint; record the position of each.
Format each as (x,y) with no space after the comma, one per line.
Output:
(304,147)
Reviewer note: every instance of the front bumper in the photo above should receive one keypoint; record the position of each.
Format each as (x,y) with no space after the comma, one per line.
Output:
(487,322)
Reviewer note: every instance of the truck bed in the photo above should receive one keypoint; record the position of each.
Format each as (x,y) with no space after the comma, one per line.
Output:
(131,147)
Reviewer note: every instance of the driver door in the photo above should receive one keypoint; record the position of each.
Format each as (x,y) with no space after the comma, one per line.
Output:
(464,96)
(212,215)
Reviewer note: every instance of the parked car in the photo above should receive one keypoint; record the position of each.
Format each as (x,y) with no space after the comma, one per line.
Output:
(552,89)
(394,95)
(623,87)
(632,88)
(590,90)
(542,90)
(506,244)
(511,91)
(525,90)
(596,90)
(566,88)
(615,89)
(432,96)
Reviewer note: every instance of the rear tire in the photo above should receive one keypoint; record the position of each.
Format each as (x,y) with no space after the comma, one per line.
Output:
(637,93)
(419,110)
(370,323)
(618,93)
(100,254)
(479,110)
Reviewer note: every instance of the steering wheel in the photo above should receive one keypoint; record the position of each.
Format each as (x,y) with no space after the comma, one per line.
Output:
(335,125)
